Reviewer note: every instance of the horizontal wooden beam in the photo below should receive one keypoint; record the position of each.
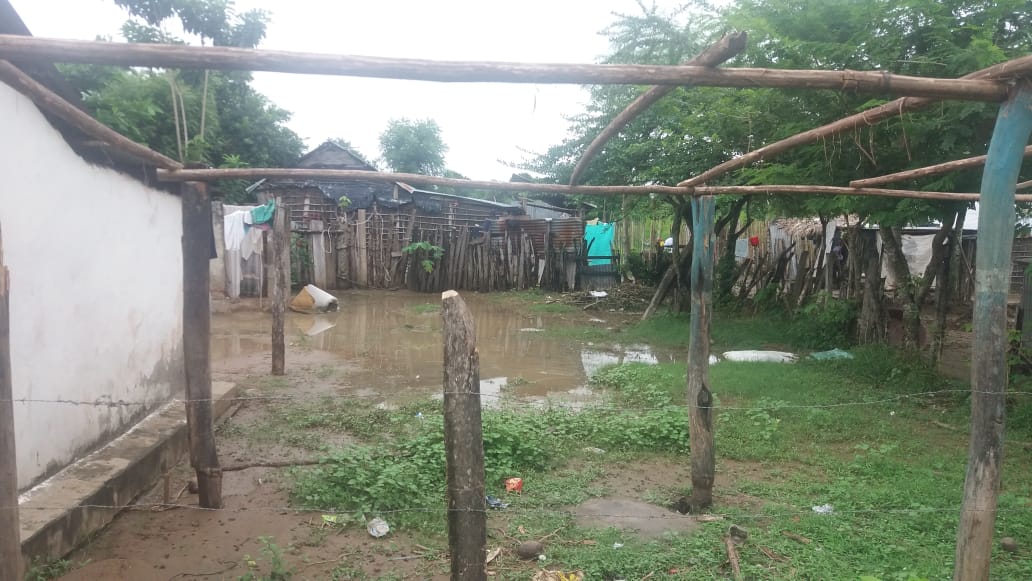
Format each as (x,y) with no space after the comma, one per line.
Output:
(206,175)
(722,50)
(385,177)
(931,170)
(228,58)
(838,191)
(1010,69)
(1024,186)
(51,102)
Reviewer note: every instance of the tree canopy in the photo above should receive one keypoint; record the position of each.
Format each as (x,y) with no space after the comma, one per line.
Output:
(413,146)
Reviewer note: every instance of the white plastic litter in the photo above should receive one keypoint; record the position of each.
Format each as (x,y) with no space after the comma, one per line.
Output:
(713,359)
(824,509)
(599,294)
(378,527)
(761,356)
(530,330)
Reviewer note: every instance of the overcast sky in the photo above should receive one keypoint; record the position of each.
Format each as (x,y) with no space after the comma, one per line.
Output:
(482,124)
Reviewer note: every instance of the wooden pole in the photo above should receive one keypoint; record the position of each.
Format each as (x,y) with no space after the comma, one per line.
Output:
(1024,186)
(700,399)
(280,285)
(724,49)
(464,442)
(10,528)
(197,233)
(931,170)
(841,191)
(243,59)
(1016,67)
(54,104)
(989,360)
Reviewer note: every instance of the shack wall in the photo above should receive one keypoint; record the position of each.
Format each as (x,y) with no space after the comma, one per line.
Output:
(96,292)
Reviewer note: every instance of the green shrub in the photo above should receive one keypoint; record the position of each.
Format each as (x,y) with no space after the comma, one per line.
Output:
(824,323)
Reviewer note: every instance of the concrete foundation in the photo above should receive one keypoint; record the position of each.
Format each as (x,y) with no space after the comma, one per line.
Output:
(60,513)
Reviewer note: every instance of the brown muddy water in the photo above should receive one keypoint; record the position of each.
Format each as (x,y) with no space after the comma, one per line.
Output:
(387,346)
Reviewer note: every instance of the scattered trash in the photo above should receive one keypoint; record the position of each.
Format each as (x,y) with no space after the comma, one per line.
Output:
(824,509)
(831,354)
(596,321)
(496,503)
(713,359)
(378,527)
(542,558)
(599,294)
(753,356)
(528,550)
(595,450)
(313,299)
(617,545)
(492,555)
(419,416)
(514,485)
(530,330)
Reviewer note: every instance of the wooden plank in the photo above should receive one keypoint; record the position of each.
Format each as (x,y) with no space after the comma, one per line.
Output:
(700,399)
(1024,186)
(197,233)
(280,286)
(720,52)
(51,102)
(10,531)
(841,191)
(243,59)
(990,345)
(361,243)
(463,442)
(1009,69)
(931,170)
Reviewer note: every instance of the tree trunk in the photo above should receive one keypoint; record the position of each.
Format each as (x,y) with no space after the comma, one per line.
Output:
(871,325)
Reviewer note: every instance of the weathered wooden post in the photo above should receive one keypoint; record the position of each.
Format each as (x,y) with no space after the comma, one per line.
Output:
(10,531)
(464,442)
(197,235)
(700,399)
(280,239)
(989,358)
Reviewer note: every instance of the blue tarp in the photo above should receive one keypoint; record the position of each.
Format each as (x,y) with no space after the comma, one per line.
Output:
(599,238)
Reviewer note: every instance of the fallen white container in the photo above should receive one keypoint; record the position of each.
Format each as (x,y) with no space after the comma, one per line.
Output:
(761,356)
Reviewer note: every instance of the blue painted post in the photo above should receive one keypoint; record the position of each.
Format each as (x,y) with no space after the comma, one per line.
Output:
(989,361)
(700,399)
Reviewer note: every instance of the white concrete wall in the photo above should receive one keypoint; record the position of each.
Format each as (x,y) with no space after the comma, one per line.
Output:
(96,292)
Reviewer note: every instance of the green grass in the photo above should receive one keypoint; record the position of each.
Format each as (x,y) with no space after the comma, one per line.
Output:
(426,308)
(551,308)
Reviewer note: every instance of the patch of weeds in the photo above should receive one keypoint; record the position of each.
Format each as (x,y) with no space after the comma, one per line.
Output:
(347,572)
(426,308)
(43,569)
(275,569)
(550,308)
(516,381)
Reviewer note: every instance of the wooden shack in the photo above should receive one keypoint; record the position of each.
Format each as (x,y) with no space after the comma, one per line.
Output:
(365,234)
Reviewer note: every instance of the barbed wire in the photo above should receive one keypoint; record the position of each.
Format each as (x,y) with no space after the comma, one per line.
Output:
(512,400)
(774,513)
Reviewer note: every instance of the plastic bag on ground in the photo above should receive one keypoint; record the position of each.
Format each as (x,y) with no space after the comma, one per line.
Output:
(313,299)
(761,356)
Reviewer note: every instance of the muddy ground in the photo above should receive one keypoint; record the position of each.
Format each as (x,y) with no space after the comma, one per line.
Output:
(383,347)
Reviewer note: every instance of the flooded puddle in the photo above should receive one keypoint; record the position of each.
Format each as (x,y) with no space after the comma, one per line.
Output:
(392,344)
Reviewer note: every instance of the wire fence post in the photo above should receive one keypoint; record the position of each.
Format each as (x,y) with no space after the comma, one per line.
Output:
(280,285)
(989,357)
(464,442)
(197,236)
(10,528)
(700,400)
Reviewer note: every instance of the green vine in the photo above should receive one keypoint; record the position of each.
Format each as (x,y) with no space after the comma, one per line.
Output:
(433,252)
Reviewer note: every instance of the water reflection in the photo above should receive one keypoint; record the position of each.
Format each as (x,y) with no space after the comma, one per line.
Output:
(394,339)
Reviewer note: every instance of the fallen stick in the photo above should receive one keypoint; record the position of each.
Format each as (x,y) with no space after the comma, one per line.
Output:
(796,537)
(772,555)
(732,556)
(1026,445)
(285,464)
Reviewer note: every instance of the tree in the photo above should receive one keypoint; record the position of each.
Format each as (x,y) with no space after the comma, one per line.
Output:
(214,118)
(413,146)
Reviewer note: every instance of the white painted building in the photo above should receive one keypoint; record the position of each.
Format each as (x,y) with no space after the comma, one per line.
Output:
(96,292)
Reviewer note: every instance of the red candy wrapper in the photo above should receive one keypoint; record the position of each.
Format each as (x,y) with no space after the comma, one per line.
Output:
(514,485)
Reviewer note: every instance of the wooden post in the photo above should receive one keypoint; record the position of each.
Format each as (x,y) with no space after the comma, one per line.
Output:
(10,529)
(700,400)
(362,275)
(280,285)
(464,442)
(197,233)
(989,358)
(1026,307)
